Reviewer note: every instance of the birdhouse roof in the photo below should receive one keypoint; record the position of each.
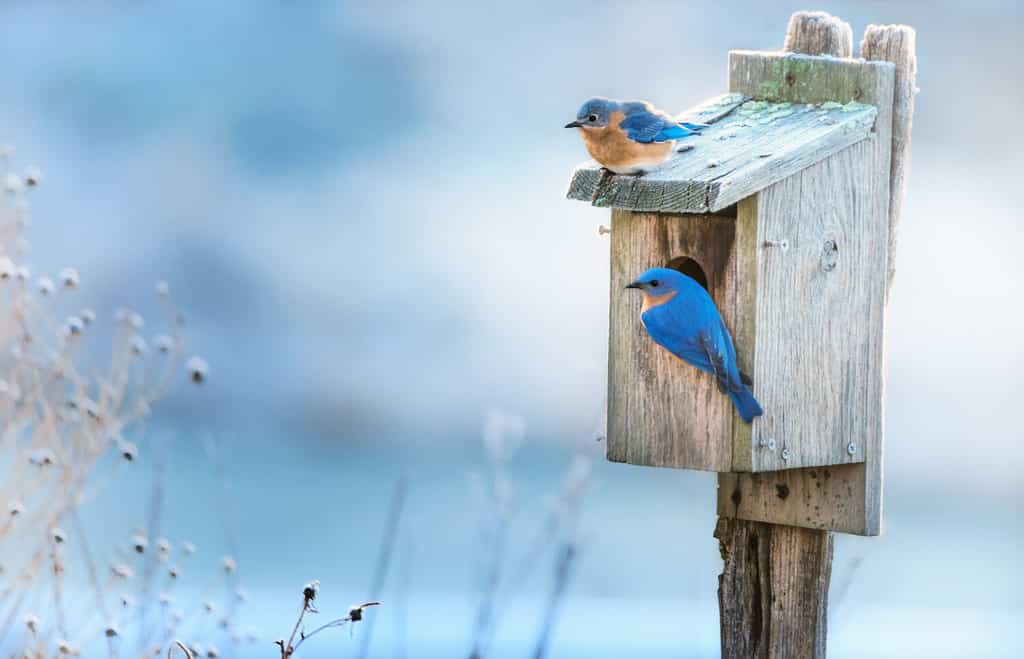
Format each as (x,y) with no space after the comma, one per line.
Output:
(748,146)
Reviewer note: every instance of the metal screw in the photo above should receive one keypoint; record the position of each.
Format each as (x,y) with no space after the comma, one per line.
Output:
(851,448)
(781,244)
(768,443)
(785,454)
(602,229)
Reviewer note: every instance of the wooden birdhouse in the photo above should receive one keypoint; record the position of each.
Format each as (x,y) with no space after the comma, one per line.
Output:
(781,210)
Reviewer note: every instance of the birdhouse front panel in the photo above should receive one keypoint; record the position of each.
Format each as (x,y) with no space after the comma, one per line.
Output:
(662,411)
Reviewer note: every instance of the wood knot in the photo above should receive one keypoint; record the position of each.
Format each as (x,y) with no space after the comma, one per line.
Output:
(782,490)
(736,497)
(790,79)
(857,94)
(829,255)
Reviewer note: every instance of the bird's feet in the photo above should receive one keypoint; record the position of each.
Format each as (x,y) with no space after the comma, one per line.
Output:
(685,148)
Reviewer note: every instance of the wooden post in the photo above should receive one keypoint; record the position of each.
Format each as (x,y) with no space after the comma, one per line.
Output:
(896,44)
(773,590)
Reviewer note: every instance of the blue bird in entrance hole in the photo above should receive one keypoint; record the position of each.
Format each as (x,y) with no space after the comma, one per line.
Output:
(682,318)
(629,137)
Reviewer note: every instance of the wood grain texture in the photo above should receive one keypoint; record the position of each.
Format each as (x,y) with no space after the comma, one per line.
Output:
(817,363)
(818,33)
(662,411)
(798,78)
(750,146)
(773,590)
(843,200)
(827,498)
(896,44)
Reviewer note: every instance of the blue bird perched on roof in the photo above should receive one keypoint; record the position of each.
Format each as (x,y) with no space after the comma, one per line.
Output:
(682,318)
(629,137)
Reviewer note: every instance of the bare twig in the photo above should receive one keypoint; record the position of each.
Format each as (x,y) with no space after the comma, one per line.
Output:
(387,548)
(563,570)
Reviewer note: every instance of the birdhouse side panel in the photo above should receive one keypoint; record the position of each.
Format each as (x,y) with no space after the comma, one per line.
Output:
(662,411)
(820,314)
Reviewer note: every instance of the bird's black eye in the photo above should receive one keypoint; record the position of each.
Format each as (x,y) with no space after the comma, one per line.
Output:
(654,283)
(592,118)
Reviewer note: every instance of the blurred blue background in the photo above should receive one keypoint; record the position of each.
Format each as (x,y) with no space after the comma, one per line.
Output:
(361,208)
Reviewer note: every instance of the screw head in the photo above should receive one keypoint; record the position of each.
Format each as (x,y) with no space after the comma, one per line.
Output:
(770,443)
(851,448)
(785,454)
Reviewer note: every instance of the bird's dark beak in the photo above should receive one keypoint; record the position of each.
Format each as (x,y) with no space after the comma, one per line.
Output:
(573,124)
(635,284)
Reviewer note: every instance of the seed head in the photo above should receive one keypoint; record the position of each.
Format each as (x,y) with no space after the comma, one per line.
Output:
(41,457)
(88,316)
(59,536)
(15,507)
(111,632)
(198,369)
(139,542)
(121,571)
(188,548)
(73,326)
(33,176)
(6,267)
(310,590)
(229,564)
(162,288)
(128,450)
(355,613)
(69,278)
(45,286)
(138,346)
(32,622)
(164,344)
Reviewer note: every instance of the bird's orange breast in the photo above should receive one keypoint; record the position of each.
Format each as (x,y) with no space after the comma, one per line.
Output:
(612,148)
(651,301)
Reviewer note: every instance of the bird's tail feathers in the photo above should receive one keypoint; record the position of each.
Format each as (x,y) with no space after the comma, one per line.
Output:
(745,403)
(694,127)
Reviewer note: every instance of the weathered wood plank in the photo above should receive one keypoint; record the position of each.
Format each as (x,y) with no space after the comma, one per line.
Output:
(662,411)
(817,362)
(799,78)
(773,590)
(749,147)
(827,498)
(896,44)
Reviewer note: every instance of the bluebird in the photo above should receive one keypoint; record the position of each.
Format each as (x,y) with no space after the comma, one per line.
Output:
(629,137)
(682,318)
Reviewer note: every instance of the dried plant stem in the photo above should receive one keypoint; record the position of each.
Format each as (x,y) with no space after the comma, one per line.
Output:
(287,649)
(387,548)
(563,570)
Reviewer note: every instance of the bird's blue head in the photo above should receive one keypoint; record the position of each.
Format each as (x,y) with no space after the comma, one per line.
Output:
(657,283)
(595,113)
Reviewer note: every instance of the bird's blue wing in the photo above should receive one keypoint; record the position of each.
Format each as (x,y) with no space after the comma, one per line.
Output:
(645,127)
